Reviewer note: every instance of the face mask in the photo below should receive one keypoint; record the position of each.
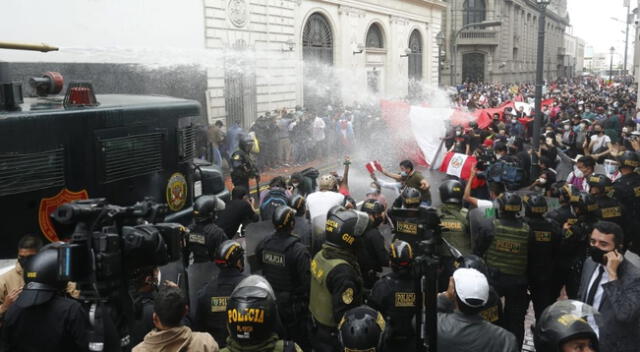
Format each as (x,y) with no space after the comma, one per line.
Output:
(458,133)
(597,131)
(567,127)
(587,110)
(514,121)
(404,174)
(610,168)
(597,254)
(549,141)
(376,221)
(578,173)
(583,126)
(22,261)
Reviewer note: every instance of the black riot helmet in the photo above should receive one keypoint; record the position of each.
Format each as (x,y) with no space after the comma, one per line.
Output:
(600,183)
(472,261)
(584,204)
(344,226)
(41,281)
(400,255)
(562,322)
(228,254)
(451,192)
(251,311)
(283,218)
(629,160)
(372,206)
(535,206)
(411,197)
(299,204)
(205,208)
(245,143)
(361,329)
(563,191)
(509,205)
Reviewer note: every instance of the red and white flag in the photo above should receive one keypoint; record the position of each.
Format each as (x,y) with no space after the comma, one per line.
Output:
(459,165)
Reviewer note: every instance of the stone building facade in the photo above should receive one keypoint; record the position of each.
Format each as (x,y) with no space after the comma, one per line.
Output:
(505,52)
(281,53)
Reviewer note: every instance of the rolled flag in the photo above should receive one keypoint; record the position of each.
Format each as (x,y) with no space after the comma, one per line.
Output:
(371,166)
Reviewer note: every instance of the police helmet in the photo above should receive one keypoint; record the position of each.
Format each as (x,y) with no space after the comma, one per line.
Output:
(41,277)
(206,206)
(535,205)
(629,159)
(584,204)
(361,329)
(283,218)
(451,192)
(509,204)
(327,183)
(601,181)
(344,226)
(299,204)
(561,322)
(472,261)
(411,197)
(252,311)
(245,143)
(228,254)
(401,254)
(372,206)
(563,191)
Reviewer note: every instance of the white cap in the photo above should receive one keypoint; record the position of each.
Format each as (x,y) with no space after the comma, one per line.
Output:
(471,285)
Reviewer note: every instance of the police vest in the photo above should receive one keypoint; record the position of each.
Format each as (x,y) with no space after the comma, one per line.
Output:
(453,222)
(321,301)
(509,249)
(199,243)
(542,247)
(409,229)
(609,210)
(275,267)
(403,307)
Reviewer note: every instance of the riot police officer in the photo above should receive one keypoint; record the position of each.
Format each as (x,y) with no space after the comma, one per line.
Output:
(242,166)
(558,217)
(211,304)
(204,238)
(609,209)
(575,238)
(371,253)
(362,329)
(336,283)
(542,253)
(284,261)
(43,318)
(302,227)
(507,260)
(454,226)
(412,222)
(627,192)
(395,296)
(563,327)
(252,319)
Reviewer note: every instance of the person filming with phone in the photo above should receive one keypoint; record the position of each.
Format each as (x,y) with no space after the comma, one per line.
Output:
(611,285)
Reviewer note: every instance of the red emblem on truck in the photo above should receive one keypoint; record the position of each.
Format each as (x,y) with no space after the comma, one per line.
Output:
(49,205)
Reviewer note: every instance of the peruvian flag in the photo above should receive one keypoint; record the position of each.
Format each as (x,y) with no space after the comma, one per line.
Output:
(459,165)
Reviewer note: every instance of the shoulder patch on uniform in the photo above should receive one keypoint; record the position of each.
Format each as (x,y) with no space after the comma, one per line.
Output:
(347,296)
(219,304)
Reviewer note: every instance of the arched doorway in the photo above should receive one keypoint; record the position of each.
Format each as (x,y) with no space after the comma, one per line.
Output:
(415,63)
(374,44)
(317,54)
(473,67)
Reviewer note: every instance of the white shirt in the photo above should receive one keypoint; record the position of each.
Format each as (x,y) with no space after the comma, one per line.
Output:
(599,142)
(320,202)
(597,299)
(394,186)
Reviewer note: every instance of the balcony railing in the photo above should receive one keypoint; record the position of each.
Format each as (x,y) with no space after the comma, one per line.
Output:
(478,37)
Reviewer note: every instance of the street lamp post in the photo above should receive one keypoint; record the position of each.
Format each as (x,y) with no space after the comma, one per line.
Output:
(440,41)
(454,56)
(537,119)
(611,50)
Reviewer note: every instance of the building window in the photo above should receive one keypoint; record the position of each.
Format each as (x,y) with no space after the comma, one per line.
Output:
(374,37)
(317,54)
(415,58)
(474,11)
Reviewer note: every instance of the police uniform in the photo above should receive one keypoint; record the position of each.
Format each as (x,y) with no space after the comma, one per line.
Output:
(211,305)
(576,241)
(204,240)
(610,209)
(557,218)
(285,263)
(395,296)
(627,192)
(413,225)
(542,256)
(454,227)
(371,256)
(242,169)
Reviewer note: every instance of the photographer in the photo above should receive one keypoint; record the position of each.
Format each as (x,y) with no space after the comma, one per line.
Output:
(44,318)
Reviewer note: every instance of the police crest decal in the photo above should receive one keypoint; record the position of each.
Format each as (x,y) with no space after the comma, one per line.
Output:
(176,192)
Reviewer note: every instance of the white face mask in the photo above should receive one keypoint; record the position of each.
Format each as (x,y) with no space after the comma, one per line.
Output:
(458,133)
(514,121)
(549,141)
(577,173)
(567,127)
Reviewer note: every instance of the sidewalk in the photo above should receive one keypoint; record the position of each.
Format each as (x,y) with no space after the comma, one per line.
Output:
(323,166)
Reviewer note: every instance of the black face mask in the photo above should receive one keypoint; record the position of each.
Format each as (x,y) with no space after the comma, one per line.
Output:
(22,261)
(597,255)
(376,221)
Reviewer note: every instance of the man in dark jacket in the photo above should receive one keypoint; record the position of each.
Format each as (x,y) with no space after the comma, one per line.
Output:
(465,330)
(612,286)
(371,253)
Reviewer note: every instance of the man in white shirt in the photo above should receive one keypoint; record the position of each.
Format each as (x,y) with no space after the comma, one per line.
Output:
(318,205)
(612,286)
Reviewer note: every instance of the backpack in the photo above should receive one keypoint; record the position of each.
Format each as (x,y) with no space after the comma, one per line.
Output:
(275,198)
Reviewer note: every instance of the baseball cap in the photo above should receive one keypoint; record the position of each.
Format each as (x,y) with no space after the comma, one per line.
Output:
(472,287)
